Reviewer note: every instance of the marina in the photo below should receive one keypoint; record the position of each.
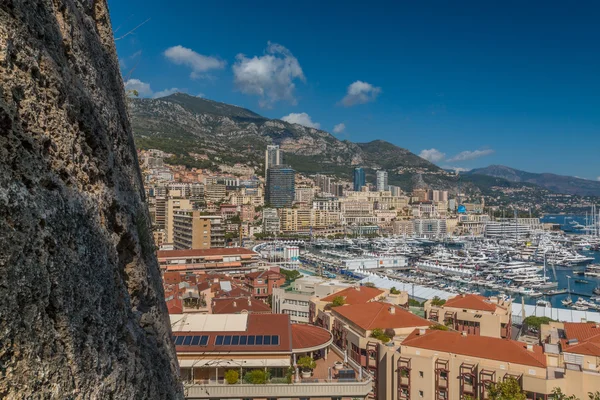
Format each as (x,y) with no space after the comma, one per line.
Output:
(546,269)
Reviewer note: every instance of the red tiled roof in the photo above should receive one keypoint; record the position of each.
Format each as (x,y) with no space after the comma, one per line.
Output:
(477,346)
(226,251)
(237,305)
(306,336)
(471,302)
(267,273)
(377,314)
(587,335)
(356,295)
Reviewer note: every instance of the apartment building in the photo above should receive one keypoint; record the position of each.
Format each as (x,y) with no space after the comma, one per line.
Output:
(173,205)
(209,347)
(271,221)
(232,260)
(215,192)
(352,327)
(303,219)
(435,364)
(262,283)
(320,306)
(280,186)
(430,228)
(295,299)
(474,314)
(193,230)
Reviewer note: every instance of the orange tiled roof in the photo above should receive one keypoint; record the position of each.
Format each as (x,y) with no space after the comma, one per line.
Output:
(477,346)
(587,335)
(356,295)
(377,314)
(306,336)
(471,302)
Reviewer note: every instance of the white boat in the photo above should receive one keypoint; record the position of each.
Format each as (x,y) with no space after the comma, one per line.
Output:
(543,303)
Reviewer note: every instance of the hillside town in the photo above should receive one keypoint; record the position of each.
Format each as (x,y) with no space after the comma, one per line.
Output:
(341,290)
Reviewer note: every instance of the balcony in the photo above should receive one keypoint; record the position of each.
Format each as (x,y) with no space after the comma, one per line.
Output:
(324,382)
(310,389)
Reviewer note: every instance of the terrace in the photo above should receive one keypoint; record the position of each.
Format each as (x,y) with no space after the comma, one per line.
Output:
(331,378)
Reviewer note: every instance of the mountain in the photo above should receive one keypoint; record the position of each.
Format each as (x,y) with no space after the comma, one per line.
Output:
(194,128)
(552,182)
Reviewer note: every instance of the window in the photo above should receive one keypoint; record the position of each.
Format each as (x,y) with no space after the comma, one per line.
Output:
(179,340)
(420,393)
(250,340)
(195,340)
(275,340)
(259,340)
(267,340)
(203,340)
(235,340)
(219,340)
(227,341)
(420,374)
(243,340)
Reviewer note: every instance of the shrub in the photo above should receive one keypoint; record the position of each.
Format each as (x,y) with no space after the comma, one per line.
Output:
(256,377)
(378,334)
(232,376)
(535,322)
(439,327)
(306,362)
(393,290)
(338,301)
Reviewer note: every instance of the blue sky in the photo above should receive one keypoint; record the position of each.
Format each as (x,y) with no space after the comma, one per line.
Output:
(474,83)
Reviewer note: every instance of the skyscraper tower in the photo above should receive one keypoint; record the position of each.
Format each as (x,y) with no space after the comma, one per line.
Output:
(272,157)
(281,186)
(359,179)
(382,181)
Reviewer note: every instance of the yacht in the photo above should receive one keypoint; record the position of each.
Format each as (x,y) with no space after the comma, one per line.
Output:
(543,303)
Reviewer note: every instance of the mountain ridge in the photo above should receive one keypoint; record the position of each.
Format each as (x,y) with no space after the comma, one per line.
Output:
(202,133)
(553,182)
(183,125)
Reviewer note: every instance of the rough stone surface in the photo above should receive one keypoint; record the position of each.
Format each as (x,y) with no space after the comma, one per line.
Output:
(82,313)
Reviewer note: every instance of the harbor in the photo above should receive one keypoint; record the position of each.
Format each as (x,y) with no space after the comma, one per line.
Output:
(544,269)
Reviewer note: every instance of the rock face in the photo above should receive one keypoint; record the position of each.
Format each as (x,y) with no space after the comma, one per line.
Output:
(82,313)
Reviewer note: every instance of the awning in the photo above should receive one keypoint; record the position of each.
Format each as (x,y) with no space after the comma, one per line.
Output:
(250,363)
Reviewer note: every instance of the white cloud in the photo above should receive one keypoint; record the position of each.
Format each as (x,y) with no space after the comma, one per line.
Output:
(201,95)
(339,128)
(301,119)
(470,155)
(165,92)
(270,76)
(142,88)
(433,155)
(360,92)
(197,62)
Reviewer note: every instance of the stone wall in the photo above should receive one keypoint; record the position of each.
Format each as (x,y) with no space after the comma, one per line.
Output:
(82,313)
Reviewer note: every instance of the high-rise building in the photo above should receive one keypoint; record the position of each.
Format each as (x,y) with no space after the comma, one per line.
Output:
(174,204)
(280,188)
(359,179)
(272,157)
(190,230)
(324,183)
(382,181)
